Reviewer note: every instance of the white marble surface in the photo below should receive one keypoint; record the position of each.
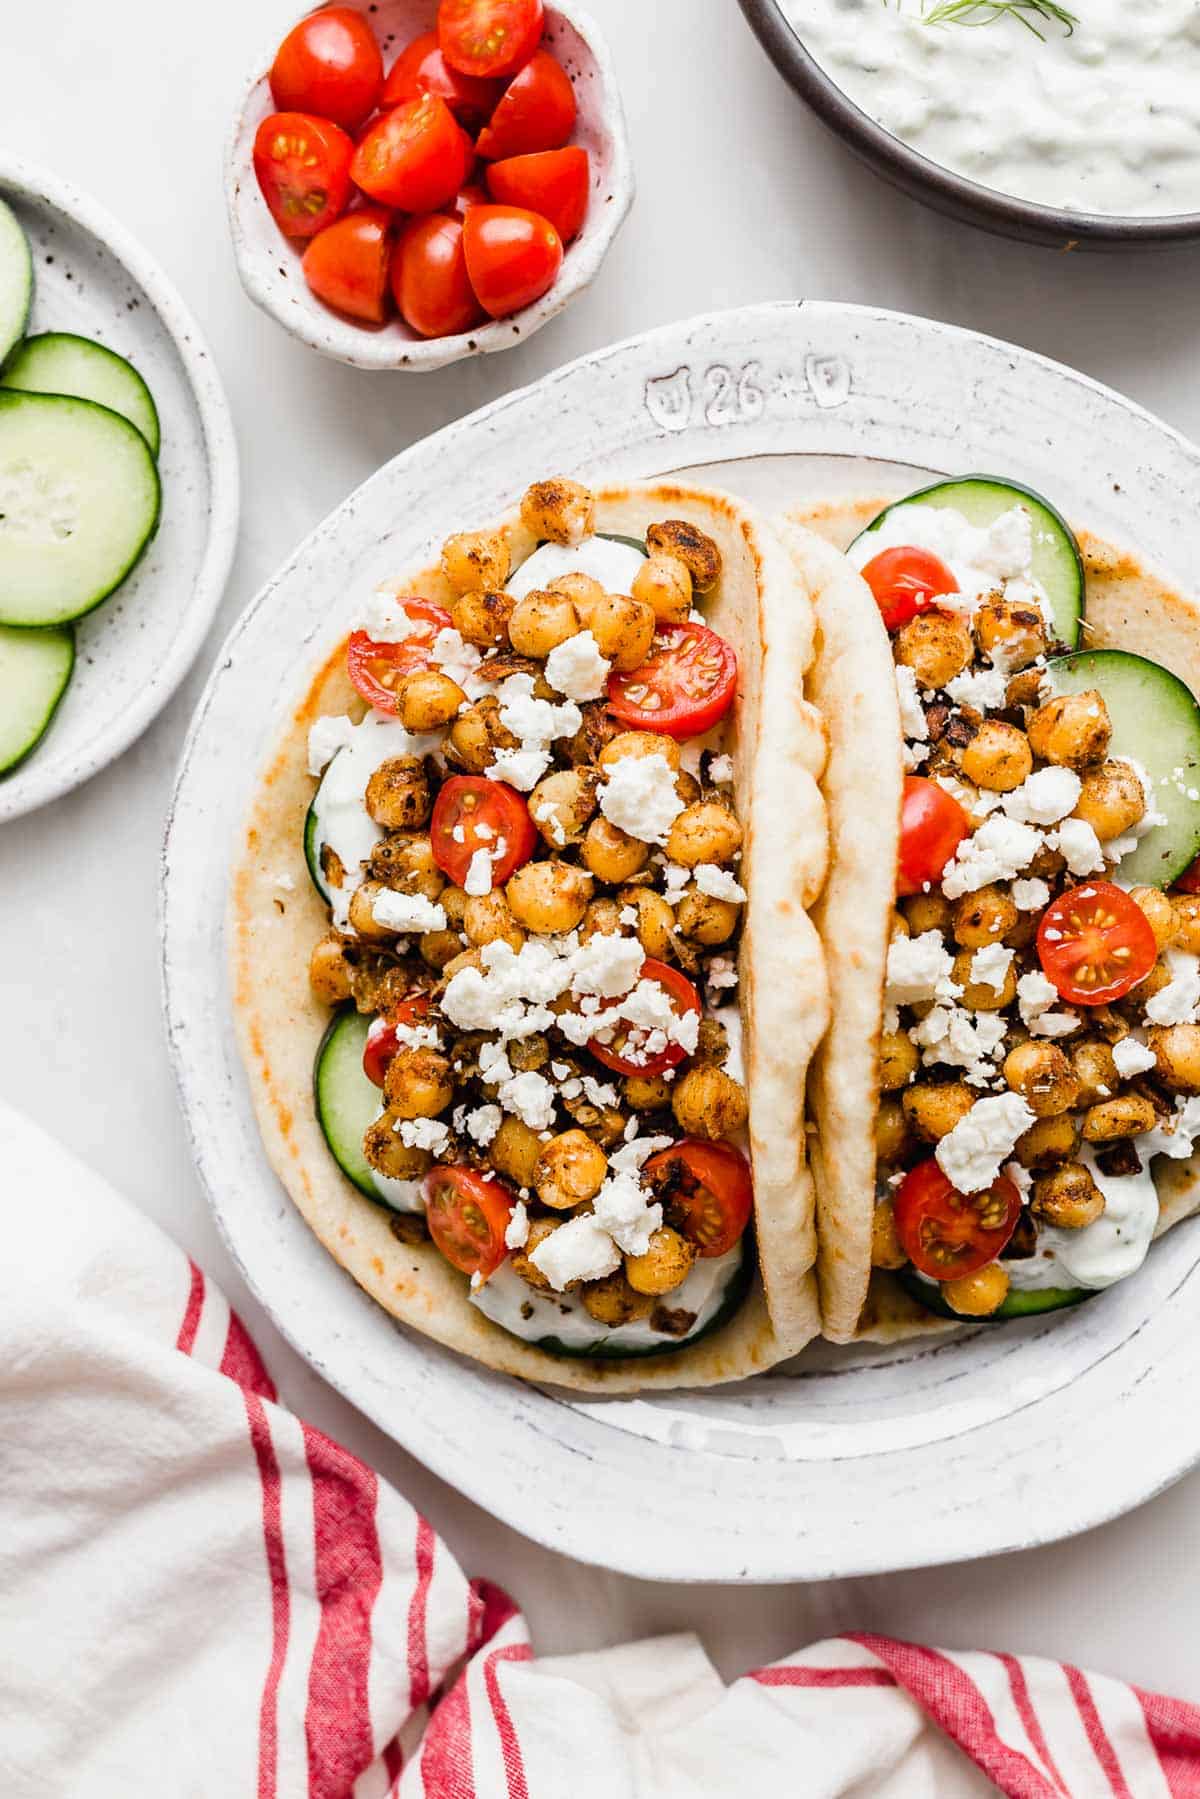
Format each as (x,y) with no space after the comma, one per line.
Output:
(742,197)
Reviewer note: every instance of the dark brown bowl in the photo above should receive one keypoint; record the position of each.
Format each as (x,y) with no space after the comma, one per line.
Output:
(936,186)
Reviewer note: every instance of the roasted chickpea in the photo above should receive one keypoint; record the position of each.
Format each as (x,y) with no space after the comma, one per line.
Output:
(891,1131)
(1160,913)
(530,1273)
(646,1092)
(1048,1142)
(664,584)
(1022,933)
(1018,633)
(428,699)
(898,1061)
(1073,730)
(665,1265)
(1177,1055)
(977,1295)
(329,971)
(582,590)
(1112,800)
(983,917)
(1094,1069)
(886,1248)
(1042,1075)
(487,919)
(362,913)
(628,744)
(697,551)
(611,854)
(418,1083)
(570,1170)
(933,1111)
(655,922)
(703,919)
(980,996)
(936,646)
(388,1154)
(927,912)
(998,757)
(1022,690)
(403,861)
(477,734)
(704,832)
(561,804)
(514,1150)
(1185,910)
(481,617)
(707,1102)
(540,622)
(549,898)
(898,926)
(439,949)
(613,1301)
(602,919)
(623,629)
(1069,1198)
(1126,1116)
(473,561)
(453,902)
(398,796)
(1158,978)
(560,510)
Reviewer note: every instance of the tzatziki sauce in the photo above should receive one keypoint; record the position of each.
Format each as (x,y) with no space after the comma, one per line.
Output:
(1104,118)
(1102,1253)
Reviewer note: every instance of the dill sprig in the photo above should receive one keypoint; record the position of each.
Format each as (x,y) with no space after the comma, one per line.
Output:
(984,12)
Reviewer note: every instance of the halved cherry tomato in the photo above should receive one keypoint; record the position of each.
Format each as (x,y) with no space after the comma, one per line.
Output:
(303,169)
(536,112)
(381,1044)
(414,157)
(906,581)
(932,825)
(430,283)
(467,1217)
(1189,880)
(706,1192)
(329,64)
(513,257)
(489,37)
(552,182)
(347,264)
(946,1234)
(472,813)
(684,687)
(1095,943)
(683,998)
(422,69)
(377,669)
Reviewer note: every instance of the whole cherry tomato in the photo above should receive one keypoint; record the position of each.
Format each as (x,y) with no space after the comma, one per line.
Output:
(422,69)
(488,38)
(946,1234)
(414,157)
(932,825)
(346,265)
(552,182)
(468,1217)
(706,1192)
(1095,943)
(537,111)
(513,257)
(430,283)
(329,64)
(303,169)
(906,581)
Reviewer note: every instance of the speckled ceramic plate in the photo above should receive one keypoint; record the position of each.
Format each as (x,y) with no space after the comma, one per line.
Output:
(846,1462)
(92,278)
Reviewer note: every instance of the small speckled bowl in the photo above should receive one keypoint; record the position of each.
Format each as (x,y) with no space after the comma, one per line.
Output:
(269,263)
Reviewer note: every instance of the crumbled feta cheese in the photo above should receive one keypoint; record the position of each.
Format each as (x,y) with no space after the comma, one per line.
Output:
(326,737)
(479,874)
(1035,997)
(1177,1135)
(579,1250)
(516,1234)
(984,690)
(458,659)
(407,912)
(916,968)
(718,883)
(676,880)
(577,669)
(639,797)
(990,966)
(607,965)
(1030,896)
(1000,849)
(912,713)
(1045,797)
(386,620)
(1078,842)
(530,1097)
(627,1211)
(1132,1057)
(522,769)
(970,1155)
(538,723)
(636,1151)
(721,972)
(424,1133)
(720,770)
(960,1039)
(1179,1001)
(483,1123)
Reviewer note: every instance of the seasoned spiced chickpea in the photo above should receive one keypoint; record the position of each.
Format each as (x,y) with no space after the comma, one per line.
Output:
(664,584)
(476,560)
(561,804)
(477,734)
(428,699)
(613,1301)
(639,744)
(898,1060)
(655,921)
(1042,1075)
(418,1083)
(611,854)
(886,1248)
(707,1102)
(646,1092)
(329,971)
(530,1273)
(388,1154)
(1126,1116)
(623,629)
(515,1149)
(403,861)
(1177,1055)
(1112,800)
(977,1295)
(696,550)
(936,646)
(560,510)
(665,1265)
(487,919)
(898,926)
(453,902)
(998,757)
(1135,1000)
(481,617)
(1095,1071)
(892,1136)
(362,913)
(1048,1142)
(439,949)
(602,919)
(584,591)
(1018,633)
(570,1170)
(983,917)
(1073,730)
(1160,913)
(981,996)
(1022,933)
(933,1111)
(1069,1198)
(549,898)
(1185,911)
(398,796)
(927,912)
(540,622)
(704,832)
(703,919)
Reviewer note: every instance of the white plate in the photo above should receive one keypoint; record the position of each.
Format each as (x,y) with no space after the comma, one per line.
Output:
(849,1462)
(92,278)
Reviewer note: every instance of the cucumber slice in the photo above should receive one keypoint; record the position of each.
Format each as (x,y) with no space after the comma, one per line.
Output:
(57,362)
(347,1102)
(16,280)
(35,667)
(1156,720)
(1057,564)
(1019,1303)
(312,851)
(79,502)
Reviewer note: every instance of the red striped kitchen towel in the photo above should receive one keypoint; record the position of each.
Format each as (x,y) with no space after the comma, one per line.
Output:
(201,1597)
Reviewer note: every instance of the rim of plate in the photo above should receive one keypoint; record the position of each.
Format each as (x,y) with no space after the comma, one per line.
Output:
(31,182)
(763,1501)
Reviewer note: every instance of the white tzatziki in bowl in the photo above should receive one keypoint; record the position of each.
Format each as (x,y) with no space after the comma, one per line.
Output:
(1093,109)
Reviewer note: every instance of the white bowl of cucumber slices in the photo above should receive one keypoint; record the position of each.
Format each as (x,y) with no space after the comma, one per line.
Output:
(118,489)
